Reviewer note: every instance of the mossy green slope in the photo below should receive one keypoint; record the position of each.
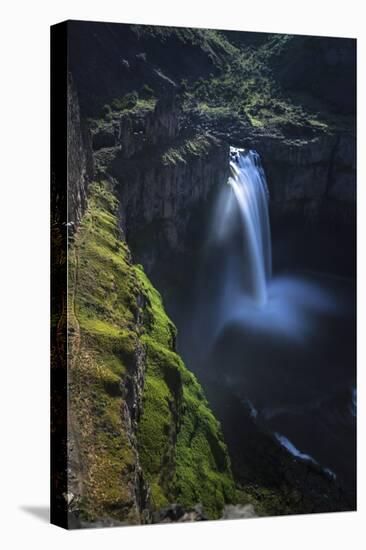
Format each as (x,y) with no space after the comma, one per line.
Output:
(113,311)
(102,290)
(181,447)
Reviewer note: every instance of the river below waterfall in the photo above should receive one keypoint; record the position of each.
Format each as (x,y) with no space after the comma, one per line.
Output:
(284,344)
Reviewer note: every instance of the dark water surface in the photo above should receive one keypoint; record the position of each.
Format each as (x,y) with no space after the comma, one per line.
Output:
(293,362)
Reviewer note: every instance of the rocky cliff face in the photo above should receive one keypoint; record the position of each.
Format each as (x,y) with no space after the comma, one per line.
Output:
(141,433)
(80,164)
(163,171)
(111,59)
(267,476)
(311,177)
(138,414)
(166,159)
(164,187)
(314,179)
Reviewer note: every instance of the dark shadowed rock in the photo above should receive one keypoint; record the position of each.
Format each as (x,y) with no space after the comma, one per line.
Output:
(80,163)
(177,513)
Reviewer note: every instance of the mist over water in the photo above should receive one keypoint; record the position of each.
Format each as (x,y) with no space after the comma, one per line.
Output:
(282,342)
(247,292)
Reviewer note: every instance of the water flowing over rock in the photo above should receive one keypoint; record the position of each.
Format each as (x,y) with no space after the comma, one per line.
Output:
(161,165)
(239,511)
(250,189)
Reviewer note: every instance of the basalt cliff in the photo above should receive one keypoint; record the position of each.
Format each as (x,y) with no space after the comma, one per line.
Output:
(151,115)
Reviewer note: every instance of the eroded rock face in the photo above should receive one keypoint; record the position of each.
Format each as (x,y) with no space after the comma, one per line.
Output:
(164,124)
(169,192)
(313,179)
(311,175)
(163,171)
(80,163)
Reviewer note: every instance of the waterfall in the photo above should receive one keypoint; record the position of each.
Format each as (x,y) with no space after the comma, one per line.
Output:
(237,282)
(249,186)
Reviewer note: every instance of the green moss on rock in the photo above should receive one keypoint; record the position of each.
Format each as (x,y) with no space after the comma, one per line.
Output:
(113,311)
(184,150)
(200,443)
(102,289)
(181,445)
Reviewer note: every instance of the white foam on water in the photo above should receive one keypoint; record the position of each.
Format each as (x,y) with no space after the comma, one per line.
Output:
(290,447)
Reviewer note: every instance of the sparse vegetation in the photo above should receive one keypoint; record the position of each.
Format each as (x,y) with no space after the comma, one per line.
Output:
(130,102)
(247,86)
(194,146)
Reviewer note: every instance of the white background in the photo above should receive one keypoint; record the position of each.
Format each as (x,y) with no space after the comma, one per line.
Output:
(24,219)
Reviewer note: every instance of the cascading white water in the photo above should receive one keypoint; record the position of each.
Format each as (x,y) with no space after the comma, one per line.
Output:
(239,256)
(249,186)
(251,328)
